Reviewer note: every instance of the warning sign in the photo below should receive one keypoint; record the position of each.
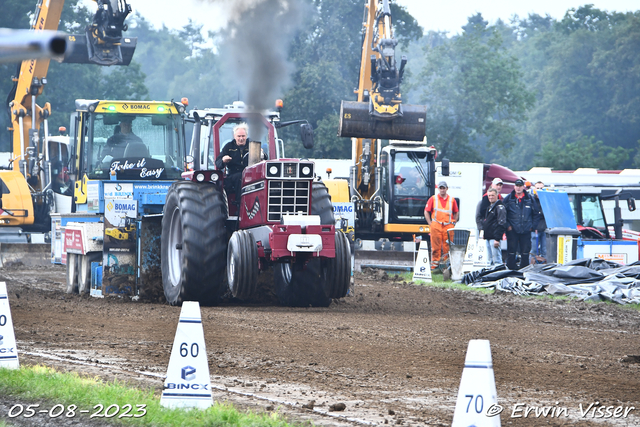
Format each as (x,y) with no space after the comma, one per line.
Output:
(422,268)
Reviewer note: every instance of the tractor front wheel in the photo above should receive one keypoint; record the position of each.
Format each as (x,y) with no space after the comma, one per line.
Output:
(84,271)
(194,243)
(72,273)
(242,264)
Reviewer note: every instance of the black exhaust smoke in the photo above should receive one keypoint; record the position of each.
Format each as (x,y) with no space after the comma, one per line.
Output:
(257,39)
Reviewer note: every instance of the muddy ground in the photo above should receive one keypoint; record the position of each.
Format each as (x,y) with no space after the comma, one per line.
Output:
(393,353)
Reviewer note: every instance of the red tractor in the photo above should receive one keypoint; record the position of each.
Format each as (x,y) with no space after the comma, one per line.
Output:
(213,244)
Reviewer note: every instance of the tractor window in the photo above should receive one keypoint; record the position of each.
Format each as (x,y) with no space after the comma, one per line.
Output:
(136,146)
(592,212)
(226,136)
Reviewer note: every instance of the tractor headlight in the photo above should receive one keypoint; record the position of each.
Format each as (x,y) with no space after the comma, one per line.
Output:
(273,170)
(214,177)
(306,170)
(200,177)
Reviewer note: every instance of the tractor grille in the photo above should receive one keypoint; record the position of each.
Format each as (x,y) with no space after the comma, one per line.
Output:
(288,197)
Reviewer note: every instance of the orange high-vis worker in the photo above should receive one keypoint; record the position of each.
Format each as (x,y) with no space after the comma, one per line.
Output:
(441,214)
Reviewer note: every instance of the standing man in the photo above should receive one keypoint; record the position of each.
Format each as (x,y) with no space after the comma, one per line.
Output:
(441,214)
(522,216)
(484,203)
(538,236)
(492,223)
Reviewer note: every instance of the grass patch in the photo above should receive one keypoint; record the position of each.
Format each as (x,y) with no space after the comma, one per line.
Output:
(439,282)
(41,384)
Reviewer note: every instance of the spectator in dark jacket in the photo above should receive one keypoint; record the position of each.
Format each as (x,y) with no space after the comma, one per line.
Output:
(538,236)
(492,225)
(522,218)
(484,203)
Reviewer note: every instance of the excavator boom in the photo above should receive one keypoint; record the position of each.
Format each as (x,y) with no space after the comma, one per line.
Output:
(102,43)
(379,112)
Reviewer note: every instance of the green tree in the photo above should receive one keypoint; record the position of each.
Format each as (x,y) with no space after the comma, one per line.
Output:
(584,152)
(474,91)
(583,70)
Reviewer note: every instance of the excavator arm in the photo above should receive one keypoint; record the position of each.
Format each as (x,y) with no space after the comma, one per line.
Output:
(379,113)
(102,44)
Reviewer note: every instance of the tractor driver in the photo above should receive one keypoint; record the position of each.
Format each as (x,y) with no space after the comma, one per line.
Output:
(119,140)
(234,157)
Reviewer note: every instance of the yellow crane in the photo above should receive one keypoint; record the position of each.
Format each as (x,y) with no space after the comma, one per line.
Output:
(26,198)
(389,186)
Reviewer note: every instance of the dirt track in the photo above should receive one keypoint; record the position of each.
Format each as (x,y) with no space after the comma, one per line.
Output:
(393,353)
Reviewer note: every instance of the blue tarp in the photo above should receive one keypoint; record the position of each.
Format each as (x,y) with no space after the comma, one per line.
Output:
(557,209)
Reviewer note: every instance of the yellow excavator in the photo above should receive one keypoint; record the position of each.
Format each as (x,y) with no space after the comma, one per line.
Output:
(27,187)
(389,185)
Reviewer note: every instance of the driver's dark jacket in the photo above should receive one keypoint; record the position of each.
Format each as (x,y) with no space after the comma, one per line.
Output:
(236,153)
(522,214)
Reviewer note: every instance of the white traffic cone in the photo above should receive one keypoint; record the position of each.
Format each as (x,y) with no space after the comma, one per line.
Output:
(470,253)
(188,383)
(422,267)
(477,403)
(8,349)
(481,258)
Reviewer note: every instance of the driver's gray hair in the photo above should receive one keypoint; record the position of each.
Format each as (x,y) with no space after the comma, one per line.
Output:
(240,126)
(492,190)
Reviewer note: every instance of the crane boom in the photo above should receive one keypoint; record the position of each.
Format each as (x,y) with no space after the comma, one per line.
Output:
(101,44)
(384,206)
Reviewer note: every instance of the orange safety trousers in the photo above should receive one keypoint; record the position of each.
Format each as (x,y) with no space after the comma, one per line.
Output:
(439,245)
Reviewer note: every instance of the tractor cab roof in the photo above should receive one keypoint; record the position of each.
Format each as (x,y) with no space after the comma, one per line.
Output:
(236,107)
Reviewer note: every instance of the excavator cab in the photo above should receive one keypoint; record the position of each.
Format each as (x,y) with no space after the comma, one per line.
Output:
(408,182)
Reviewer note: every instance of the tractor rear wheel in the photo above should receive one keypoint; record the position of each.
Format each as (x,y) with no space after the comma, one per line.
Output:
(242,264)
(321,203)
(338,269)
(194,243)
(84,271)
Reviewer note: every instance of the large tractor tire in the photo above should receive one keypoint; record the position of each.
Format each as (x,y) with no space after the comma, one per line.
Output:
(242,264)
(321,203)
(194,243)
(297,285)
(338,269)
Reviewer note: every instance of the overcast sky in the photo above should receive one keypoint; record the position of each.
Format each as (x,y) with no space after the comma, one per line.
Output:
(442,15)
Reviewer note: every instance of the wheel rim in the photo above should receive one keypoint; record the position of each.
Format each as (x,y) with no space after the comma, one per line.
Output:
(286,272)
(231,264)
(175,254)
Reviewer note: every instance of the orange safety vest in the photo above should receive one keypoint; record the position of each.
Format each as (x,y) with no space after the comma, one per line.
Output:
(443,214)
